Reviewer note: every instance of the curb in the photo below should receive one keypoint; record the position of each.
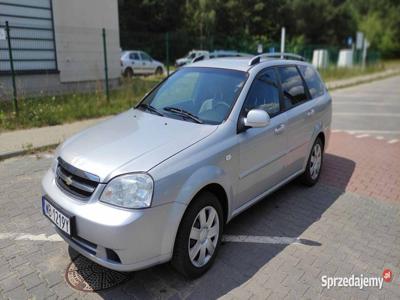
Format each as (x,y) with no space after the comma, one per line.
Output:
(11,154)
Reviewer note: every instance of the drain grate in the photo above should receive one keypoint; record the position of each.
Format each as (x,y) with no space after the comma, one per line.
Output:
(87,276)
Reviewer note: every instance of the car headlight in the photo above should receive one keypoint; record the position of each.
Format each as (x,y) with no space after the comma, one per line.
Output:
(129,191)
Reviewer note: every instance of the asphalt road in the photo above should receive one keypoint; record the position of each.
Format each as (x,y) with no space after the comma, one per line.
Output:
(369,109)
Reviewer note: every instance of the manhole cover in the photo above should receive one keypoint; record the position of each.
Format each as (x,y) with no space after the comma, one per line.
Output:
(87,276)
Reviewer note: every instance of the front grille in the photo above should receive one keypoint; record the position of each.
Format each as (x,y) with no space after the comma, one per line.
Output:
(75,181)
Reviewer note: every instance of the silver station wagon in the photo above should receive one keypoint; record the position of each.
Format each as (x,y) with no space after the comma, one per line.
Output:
(159,182)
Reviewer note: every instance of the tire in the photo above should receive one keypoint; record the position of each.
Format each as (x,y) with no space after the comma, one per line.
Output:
(198,242)
(128,73)
(314,164)
(158,71)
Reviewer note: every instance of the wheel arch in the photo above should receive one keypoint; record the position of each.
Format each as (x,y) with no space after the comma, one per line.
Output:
(220,193)
(321,135)
(127,69)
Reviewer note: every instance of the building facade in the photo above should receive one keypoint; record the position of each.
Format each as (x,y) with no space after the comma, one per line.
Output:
(57,45)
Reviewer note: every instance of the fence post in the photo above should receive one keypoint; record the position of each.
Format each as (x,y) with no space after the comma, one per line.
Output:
(167,51)
(106,64)
(12,69)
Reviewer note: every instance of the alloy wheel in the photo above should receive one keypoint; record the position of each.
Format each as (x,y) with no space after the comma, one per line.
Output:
(315,160)
(203,236)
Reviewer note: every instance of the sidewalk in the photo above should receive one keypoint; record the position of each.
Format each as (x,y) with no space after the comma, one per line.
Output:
(19,142)
(336,84)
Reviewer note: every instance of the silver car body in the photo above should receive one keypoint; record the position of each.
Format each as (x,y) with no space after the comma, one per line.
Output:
(182,158)
(140,63)
(190,56)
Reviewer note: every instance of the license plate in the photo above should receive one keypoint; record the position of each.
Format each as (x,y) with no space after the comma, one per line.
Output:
(56,216)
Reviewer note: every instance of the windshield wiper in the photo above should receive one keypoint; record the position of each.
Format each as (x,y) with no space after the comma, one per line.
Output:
(183,113)
(150,108)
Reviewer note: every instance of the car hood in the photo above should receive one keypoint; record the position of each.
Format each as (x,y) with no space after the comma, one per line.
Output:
(134,141)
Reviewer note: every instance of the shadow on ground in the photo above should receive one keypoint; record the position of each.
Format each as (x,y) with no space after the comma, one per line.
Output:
(286,213)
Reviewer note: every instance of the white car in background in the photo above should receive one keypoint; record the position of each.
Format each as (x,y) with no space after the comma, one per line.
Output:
(190,56)
(137,62)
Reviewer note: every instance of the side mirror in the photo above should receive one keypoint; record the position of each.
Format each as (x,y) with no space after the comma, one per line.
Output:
(257,118)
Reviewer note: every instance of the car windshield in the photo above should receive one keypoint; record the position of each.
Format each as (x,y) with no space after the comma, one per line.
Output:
(203,95)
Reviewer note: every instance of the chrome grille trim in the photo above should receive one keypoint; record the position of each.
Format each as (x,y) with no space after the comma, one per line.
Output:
(78,172)
(74,181)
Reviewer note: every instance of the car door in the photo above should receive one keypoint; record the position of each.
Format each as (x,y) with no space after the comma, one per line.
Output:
(262,150)
(135,63)
(300,117)
(147,63)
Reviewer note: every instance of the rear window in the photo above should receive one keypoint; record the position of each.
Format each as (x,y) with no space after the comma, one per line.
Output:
(313,81)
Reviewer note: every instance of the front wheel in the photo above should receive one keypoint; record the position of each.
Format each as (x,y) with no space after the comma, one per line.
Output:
(314,164)
(199,236)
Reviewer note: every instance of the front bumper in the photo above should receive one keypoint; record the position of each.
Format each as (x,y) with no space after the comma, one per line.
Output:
(140,238)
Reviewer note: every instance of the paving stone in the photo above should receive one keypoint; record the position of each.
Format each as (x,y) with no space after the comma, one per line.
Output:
(348,233)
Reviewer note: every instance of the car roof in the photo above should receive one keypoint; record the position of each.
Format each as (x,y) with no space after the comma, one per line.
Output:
(240,63)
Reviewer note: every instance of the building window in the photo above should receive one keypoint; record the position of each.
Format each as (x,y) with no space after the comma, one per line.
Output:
(32,36)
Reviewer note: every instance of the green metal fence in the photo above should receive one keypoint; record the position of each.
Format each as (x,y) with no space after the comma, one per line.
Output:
(179,43)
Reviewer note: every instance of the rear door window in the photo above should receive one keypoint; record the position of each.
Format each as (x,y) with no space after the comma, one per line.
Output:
(134,56)
(293,89)
(313,81)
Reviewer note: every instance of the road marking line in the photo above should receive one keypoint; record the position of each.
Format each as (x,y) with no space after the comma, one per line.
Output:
(367,114)
(372,131)
(393,141)
(336,130)
(30,237)
(276,240)
(366,103)
(360,136)
(379,137)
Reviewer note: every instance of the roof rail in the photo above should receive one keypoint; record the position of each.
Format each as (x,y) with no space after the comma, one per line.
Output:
(256,59)
(198,58)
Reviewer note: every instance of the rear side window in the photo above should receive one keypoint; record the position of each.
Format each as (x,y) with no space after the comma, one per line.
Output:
(313,81)
(292,86)
(134,56)
(264,93)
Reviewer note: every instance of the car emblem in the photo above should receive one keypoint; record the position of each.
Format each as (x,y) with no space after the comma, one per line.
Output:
(68,180)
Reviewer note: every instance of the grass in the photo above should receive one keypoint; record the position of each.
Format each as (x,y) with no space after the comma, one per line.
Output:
(333,73)
(54,110)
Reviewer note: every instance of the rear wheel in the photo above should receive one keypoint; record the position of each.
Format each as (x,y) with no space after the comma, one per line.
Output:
(314,164)
(159,71)
(199,236)
(128,73)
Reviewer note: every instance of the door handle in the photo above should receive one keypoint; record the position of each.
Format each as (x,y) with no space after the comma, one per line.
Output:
(280,129)
(310,112)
